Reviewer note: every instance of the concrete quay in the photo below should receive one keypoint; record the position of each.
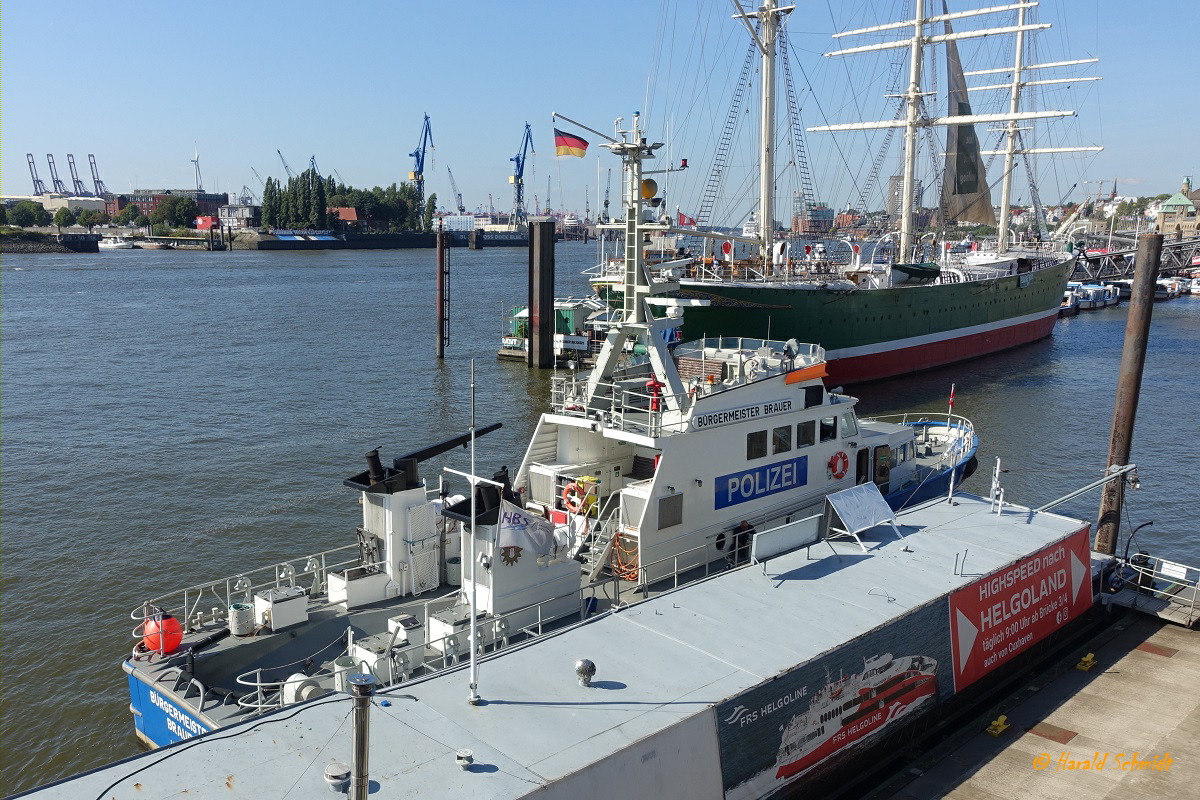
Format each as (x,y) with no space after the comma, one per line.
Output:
(1128,727)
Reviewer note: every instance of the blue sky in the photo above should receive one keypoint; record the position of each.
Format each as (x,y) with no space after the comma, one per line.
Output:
(141,84)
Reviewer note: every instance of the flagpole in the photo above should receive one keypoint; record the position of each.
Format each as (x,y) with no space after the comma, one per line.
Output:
(949,449)
(473,697)
(554,114)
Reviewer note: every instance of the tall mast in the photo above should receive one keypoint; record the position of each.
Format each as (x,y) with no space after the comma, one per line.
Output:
(913,98)
(1010,150)
(766,178)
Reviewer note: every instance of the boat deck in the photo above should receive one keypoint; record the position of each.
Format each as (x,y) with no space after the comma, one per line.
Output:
(1139,704)
(662,666)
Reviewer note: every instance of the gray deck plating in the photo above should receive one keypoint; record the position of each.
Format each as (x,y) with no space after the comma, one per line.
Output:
(662,666)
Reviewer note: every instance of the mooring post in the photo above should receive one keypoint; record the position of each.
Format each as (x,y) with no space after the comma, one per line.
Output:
(541,295)
(443,291)
(1129,386)
(362,687)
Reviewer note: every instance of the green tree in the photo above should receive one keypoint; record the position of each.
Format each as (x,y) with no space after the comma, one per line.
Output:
(128,214)
(27,213)
(141,221)
(3,215)
(319,219)
(87,219)
(64,217)
(430,208)
(175,211)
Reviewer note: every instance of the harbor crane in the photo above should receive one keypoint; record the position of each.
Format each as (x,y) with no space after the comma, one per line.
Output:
(247,197)
(77,185)
(517,179)
(59,186)
(38,186)
(417,176)
(286,168)
(457,194)
(196,163)
(312,163)
(338,175)
(101,189)
(260,177)
(607,186)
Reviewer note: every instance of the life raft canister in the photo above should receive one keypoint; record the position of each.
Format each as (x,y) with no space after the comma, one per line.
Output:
(839,465)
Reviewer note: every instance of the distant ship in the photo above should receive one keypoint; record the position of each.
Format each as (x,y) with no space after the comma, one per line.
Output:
(854,708)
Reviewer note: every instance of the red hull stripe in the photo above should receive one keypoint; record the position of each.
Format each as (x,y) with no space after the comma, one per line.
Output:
(904,360)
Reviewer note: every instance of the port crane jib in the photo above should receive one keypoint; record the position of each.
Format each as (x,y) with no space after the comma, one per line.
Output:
(59,186)
(518,177)
(287,169)
(101,189)
(38,186)
(458,201)
(417,176)
(78,186)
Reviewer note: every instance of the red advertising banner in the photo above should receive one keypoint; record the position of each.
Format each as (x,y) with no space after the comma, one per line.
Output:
(1005,613)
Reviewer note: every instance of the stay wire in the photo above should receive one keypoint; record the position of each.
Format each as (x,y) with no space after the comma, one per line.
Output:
(182,748)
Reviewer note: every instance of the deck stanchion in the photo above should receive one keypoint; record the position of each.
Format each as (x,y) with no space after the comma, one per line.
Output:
(362,687)
(1129,386)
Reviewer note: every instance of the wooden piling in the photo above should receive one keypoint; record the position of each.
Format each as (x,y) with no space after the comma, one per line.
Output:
(443,292)
(1129,386)
(541,295)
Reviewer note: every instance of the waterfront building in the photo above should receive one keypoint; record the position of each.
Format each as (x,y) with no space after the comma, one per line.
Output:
(1177,215)
(240,216)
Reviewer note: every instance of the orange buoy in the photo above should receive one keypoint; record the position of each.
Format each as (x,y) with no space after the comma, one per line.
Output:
(162,634)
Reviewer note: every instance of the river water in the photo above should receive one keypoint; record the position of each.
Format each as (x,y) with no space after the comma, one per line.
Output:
(172,417)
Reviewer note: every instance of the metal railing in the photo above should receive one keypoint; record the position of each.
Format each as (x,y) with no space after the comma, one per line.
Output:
(185,604)
(1181,583)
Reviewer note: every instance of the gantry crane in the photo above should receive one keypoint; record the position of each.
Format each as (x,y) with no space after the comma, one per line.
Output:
(457,194)
(417,176)
(38,186)
(604,214)
(517,179)
(101,189)
(59,186)
(77,185)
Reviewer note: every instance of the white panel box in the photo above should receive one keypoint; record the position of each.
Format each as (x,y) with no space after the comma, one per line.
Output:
(281,608)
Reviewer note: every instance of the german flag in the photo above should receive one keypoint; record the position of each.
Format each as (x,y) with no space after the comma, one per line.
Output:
(568,144)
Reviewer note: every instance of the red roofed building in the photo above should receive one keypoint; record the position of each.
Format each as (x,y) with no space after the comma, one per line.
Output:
(346,217)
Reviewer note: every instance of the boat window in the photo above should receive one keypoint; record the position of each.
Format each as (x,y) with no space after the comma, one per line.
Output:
(756,445)
(828,429)
(781,440)
(806,434)
(813,396)
(849,426)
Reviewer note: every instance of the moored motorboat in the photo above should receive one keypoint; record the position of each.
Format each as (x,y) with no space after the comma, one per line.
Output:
(115,243)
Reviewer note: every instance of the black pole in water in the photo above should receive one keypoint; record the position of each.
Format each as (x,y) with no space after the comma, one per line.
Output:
(541,295)
(1129,386)
(443,292)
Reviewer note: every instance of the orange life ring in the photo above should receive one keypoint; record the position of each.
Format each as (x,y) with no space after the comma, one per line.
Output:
(574,498)
(839,465)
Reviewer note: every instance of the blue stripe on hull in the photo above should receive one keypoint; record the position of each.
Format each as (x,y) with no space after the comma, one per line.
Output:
(158,717)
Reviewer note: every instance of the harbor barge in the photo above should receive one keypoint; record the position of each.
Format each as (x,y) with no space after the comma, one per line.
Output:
(721,688)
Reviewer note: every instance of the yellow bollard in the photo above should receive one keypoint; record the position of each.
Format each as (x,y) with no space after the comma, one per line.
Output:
(1086,663)
(999,725)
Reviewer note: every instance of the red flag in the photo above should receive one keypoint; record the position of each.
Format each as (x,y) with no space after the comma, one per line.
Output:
(685,220)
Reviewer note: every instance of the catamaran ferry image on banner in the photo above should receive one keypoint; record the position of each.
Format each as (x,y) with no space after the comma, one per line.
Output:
(853,708)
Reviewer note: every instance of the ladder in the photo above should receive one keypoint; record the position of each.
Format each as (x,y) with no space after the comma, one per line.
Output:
(712,186)
(799,151)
